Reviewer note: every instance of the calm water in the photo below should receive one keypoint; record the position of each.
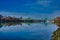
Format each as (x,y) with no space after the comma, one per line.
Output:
(27,31)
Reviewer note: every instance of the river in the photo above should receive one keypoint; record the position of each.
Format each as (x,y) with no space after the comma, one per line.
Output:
(27,31)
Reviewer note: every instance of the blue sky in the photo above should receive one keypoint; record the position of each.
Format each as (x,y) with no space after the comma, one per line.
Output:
(30,6)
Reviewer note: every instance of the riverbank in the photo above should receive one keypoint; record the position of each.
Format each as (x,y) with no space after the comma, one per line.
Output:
(14,19)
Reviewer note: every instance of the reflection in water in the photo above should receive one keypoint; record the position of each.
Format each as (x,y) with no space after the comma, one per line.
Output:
(34,32)
(37,33)
(1,25)
(18,23)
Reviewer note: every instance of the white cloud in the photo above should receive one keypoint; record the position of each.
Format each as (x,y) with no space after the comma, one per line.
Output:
(32,15)
(54,14)
(44,2)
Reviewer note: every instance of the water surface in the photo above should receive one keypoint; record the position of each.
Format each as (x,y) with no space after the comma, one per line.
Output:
(28,31)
